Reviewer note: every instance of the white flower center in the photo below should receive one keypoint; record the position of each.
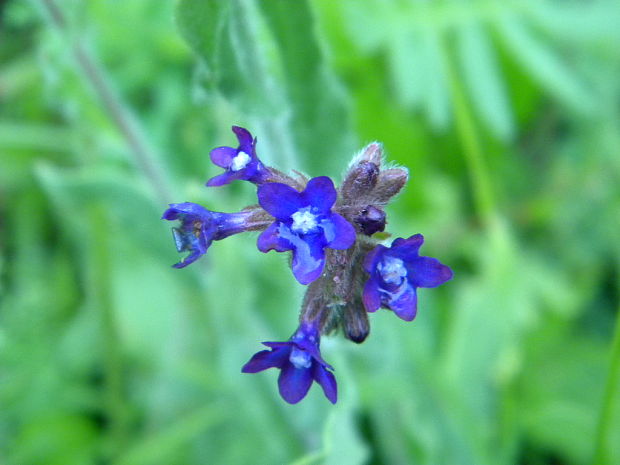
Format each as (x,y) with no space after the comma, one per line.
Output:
(392,270)
(300,359)
(240,161)
(303,220)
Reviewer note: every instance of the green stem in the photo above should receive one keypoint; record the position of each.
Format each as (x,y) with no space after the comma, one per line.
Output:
(472,151)
(498,234)
(610,398)
(111,344)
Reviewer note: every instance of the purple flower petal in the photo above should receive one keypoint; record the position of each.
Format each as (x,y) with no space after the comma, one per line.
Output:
(279,344)
(339,233)
(308,259)
(266,359)
(312,349)
(320,193)
(279,200)
(405,306)
(407,249)
(176,210)
(270,239)
(373,257)
(327,380)
(223,156)
(246,143)
(428,272)
(372,295)
(191,258)
(222,179)
(294,383)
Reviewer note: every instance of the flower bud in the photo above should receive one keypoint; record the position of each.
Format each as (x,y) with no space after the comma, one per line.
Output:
(389,183)
(355,324)
(372,153)
(359,182)
(371,220)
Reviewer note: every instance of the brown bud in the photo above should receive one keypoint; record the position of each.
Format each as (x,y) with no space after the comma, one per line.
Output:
(359,182)
(372,153)
(355,324)
(389,183)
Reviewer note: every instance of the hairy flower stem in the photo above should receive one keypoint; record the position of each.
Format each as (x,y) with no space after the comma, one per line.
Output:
(143,154)
(610,399)
(335,298)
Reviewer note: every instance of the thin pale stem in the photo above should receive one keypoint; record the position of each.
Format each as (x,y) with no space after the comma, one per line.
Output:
(116,109)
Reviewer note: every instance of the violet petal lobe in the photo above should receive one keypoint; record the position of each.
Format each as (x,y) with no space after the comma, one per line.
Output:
(222,156)
(270,239)
(266,359)
(405,306)
(225,178)
(407,249)
(279,200)
(177,210)
(428,272)
(191,258)
(320,193)
(246,142)
(327,381)
(372,295)
(294,383)
(372,258)
(308,259)
(339,233)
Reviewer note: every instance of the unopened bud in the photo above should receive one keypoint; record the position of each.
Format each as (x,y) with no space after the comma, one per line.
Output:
(389,183)
(372,153)
(359,182)
(371,220)
(355,324)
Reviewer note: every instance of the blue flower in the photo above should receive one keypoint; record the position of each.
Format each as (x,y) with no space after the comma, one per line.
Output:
(240,163)
(304,224)
(199,227)
(396,273)
(300,362)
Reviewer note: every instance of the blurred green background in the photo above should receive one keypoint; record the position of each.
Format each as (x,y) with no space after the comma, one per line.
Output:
(505,112)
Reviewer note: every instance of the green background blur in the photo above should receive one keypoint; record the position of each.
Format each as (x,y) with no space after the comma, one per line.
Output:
(506,114)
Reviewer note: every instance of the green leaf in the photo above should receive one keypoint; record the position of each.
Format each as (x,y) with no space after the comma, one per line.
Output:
(319,111)
(483,79)
(265,58)
(409,70)
(162,446)
(542,63)
(438,103)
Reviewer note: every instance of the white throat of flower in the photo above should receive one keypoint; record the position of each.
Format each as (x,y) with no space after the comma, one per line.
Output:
(392,270)
(240,161)
(304,221)
(300,359)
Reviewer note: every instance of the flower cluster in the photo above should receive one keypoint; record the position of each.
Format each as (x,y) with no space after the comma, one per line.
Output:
(333,237)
